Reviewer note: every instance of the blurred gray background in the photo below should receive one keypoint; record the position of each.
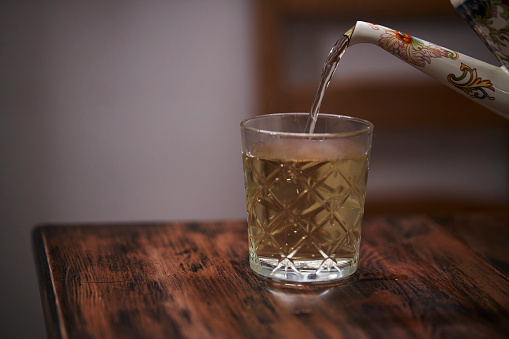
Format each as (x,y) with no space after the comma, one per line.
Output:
(129,110)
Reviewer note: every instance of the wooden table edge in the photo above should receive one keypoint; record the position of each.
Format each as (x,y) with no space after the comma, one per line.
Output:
(46,287)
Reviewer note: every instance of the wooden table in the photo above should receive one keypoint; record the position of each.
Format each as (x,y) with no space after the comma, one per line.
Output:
(419,277)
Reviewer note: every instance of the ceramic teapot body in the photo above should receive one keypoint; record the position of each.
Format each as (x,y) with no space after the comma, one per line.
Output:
(486,84)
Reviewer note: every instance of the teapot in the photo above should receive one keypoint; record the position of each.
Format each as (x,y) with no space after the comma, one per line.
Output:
(482,82)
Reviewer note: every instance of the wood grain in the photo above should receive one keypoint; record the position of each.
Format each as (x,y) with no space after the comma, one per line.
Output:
(418,278)
(482,235)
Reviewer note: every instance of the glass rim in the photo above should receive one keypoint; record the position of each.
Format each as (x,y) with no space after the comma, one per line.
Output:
(368,126)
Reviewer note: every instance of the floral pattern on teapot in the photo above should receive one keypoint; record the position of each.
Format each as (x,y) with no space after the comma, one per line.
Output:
(474,86)
(490,20)
(410,49)
(485,83)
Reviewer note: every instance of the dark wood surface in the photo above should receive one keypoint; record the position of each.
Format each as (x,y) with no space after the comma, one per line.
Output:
(419,277)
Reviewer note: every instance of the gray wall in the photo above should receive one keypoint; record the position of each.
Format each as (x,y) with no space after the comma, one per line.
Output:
(115,110)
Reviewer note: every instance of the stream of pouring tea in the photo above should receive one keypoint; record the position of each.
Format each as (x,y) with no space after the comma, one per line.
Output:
(328,69)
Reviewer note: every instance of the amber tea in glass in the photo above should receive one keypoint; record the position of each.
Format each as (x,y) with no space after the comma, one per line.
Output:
(305,195)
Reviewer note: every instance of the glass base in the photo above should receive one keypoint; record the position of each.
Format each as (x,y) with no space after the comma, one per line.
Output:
(304,271)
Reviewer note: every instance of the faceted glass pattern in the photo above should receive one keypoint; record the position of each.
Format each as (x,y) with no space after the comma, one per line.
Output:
(305,217)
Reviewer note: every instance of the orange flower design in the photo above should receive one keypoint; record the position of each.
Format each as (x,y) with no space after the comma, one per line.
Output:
(405,38)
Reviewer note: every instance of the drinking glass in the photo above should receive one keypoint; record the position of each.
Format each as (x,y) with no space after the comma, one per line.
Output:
(305,195)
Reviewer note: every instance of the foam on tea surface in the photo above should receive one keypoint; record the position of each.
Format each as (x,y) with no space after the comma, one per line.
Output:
(306,150)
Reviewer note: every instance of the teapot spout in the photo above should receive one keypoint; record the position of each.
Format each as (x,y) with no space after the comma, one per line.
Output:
(481,82)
